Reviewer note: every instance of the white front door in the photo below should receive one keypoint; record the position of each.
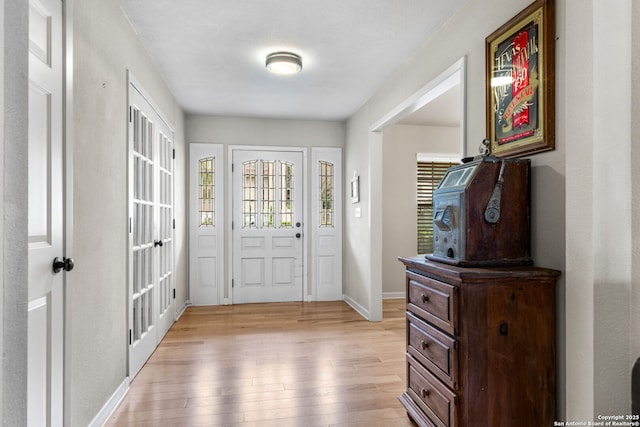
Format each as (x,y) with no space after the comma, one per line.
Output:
(267,226)
(151,311)
(46,216)
(206,224)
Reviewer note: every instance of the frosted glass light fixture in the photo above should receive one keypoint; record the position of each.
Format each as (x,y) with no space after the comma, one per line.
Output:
(284,63)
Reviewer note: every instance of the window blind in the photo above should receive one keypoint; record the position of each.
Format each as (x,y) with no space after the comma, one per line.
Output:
(430,174)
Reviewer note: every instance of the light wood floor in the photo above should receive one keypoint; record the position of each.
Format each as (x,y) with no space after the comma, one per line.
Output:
(285,364)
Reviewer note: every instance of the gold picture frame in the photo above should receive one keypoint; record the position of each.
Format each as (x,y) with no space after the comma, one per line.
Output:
(520,83)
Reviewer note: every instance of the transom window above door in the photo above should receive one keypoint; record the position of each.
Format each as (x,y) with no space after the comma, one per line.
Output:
(267,194)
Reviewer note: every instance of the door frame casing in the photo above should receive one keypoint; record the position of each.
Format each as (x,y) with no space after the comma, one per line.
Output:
(67,204)
(305,215)
(14,204)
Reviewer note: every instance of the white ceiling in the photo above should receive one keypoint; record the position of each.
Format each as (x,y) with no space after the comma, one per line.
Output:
(211,53)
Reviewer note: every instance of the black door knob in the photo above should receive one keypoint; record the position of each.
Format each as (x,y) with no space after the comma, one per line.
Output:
(298,235)
(60,264)
(157,243)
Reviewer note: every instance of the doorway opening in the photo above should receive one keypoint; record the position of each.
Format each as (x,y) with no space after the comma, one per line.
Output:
(417,110)
(268,213)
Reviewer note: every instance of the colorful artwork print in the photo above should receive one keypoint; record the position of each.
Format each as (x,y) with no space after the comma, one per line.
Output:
(515,86)
(520,83)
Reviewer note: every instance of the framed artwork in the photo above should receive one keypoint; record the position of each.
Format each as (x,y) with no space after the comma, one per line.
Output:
(520,83)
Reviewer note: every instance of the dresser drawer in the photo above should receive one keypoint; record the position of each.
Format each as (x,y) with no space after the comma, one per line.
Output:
(434,301)
(437,351)
(437,401)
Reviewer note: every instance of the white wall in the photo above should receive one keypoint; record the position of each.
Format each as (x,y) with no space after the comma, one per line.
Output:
(262,132)
(105,47)
(13,205)
(634,348)
(400,144)
(248,131)
(2,114)
(357,250)
(581,192)
(599,297)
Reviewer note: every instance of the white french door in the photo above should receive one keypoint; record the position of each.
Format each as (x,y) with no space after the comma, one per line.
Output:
(206,224)
(267,226)
(151,310)
(45,382)
(164,228)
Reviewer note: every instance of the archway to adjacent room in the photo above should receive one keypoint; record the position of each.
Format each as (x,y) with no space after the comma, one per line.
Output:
(419,109)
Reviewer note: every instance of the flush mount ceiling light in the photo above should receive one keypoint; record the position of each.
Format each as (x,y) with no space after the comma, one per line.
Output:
(284,63)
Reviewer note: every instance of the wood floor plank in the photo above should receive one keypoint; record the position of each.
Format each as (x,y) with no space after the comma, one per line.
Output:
(283,364)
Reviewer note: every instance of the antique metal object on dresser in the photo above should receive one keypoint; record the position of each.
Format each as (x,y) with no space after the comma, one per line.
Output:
(480,345)
(481,214)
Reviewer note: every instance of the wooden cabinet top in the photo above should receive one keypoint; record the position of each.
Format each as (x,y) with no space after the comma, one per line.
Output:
(421,265)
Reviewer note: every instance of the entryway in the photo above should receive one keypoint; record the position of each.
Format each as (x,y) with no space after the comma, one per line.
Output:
(279,249)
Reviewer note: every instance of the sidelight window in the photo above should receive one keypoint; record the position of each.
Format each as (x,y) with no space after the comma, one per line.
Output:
(207,198)
(326,194)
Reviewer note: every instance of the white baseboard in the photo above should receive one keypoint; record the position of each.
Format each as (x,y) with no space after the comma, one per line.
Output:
(110,406)
(181,310)
(357,307)
(394,295)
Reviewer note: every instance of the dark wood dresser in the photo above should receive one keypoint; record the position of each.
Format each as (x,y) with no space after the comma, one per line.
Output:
(480,345)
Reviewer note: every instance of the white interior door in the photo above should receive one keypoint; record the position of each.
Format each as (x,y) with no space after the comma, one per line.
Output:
(206,224)
(46,303)
(267,226)
(151,310)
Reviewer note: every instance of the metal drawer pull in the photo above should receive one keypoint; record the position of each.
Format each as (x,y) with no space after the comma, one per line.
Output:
(425,393)
(424,344)
(425,298)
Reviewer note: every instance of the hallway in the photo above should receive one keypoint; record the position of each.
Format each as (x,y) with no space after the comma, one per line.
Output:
(285,364)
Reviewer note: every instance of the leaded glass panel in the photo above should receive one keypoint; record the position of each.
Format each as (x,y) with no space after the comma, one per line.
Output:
(286,195)
(326,194)
(207,205)
(249,194)
(268,194)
